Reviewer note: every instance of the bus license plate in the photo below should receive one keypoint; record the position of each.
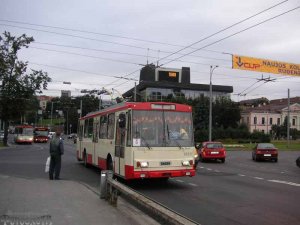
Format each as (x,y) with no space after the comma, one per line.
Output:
(165,163)
(267,154)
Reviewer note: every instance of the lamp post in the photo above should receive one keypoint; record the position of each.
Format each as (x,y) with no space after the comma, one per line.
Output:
(212,68)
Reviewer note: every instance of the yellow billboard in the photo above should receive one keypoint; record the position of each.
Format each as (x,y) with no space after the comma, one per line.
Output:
(265,65)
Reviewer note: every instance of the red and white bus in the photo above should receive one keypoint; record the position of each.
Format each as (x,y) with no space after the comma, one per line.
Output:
(23,134)
(41,134)
(139,140)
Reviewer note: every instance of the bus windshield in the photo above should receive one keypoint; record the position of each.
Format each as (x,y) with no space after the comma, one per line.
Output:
(162,128)
(24,131)
(41,133)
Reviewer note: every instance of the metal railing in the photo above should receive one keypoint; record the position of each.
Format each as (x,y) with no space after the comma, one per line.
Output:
(110,189)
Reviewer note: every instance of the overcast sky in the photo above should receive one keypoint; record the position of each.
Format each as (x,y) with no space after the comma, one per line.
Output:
(91,43)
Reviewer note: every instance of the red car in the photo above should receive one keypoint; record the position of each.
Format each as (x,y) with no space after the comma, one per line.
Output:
(265,151)
(212,150)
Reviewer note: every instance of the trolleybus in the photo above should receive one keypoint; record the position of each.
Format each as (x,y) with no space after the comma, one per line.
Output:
(139,140)
(23,134)
(41,134)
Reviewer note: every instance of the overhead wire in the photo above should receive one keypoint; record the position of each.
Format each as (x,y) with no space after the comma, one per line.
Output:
(255,25)
(103,34)
(236,33)
(224,29)
(122,53)
(186,47)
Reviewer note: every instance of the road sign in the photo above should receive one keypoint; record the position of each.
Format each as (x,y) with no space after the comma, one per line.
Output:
(265,65)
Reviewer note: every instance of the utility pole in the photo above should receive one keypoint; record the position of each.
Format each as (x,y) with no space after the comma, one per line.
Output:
(212,68)
(134,92)
(288,120)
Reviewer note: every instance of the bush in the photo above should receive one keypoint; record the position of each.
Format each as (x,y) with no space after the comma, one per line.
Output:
(257,136)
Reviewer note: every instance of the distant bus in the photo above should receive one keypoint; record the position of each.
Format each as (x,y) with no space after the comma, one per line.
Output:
(139,140)
(23,134)
(41,134)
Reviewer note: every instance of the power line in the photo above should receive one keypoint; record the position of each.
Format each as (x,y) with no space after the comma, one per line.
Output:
(222,39)
(224,29)
(97,33)
(114,60)
(81,71)
(89,56)
(236,32)
(122,53)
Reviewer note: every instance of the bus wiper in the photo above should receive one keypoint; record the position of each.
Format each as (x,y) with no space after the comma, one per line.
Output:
(147,144)
(177,143)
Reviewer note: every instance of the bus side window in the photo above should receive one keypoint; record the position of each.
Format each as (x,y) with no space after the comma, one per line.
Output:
(129,138)
(103,127)
(90,127)
(111,126)
(86,125)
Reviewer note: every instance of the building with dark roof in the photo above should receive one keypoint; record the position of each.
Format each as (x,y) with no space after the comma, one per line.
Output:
(159,84)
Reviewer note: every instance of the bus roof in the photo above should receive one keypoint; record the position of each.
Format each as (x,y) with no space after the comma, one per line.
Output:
(23,126)
(155,106)
(41,128)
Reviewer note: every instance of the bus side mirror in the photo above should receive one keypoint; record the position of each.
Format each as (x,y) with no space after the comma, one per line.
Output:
(122,120)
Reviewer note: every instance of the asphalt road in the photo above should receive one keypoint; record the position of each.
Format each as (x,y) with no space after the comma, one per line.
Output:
(238,192)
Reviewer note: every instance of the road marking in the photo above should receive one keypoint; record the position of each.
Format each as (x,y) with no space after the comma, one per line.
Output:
(201,167)
(195,185)
(241,175)
(180,181)
(208,169)
(285,182)
(258,178)
(217,171)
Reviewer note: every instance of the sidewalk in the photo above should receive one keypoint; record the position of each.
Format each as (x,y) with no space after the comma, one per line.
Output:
(66,202)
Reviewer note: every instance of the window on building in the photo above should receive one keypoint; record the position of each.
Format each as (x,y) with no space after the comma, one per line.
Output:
(255,120)
(263,120)
(278,121)
(271,121)
(294,122)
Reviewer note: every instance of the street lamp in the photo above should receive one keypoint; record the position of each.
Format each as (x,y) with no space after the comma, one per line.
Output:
(212,68)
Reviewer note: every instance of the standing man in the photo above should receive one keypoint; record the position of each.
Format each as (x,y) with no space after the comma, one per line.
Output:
(56,151)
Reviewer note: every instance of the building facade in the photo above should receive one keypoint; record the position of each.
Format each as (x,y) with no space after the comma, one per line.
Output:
(159,84)
(263,117)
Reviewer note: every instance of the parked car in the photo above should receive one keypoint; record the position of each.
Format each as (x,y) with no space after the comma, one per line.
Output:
(72,136)
(265,151)
(1,135)
(212,151)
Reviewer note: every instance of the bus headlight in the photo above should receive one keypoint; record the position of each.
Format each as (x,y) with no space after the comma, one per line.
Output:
(185,163)
(142,164)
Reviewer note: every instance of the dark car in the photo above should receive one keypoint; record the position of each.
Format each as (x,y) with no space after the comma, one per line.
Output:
(212,151)
(265,151)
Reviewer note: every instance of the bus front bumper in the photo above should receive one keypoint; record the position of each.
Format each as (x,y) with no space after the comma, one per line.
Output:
(131,174)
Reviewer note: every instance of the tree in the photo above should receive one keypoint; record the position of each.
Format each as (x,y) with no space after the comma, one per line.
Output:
(17,87)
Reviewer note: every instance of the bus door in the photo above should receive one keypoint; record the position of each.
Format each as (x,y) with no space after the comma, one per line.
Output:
(120,144)
(95,141)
